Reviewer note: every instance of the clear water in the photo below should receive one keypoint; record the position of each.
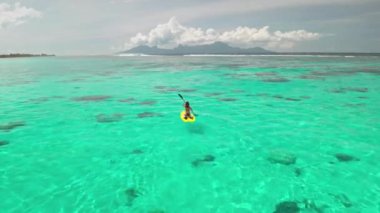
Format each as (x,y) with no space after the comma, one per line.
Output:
(103,134)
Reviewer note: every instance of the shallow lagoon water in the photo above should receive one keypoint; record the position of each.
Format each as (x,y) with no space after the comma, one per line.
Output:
(274,134)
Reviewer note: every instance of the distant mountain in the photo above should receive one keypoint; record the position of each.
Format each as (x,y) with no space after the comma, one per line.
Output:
(217,48)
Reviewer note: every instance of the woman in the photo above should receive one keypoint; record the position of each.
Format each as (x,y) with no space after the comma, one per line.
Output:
(188,110)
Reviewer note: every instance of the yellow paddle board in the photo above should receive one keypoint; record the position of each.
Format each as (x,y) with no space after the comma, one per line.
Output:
(182,116)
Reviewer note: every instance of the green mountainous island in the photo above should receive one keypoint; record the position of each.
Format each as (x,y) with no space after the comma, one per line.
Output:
(220,48)
(217,48)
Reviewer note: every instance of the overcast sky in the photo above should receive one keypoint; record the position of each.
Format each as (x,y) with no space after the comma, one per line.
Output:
(74,27)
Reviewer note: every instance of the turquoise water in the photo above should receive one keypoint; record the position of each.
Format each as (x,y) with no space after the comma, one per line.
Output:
(273,134)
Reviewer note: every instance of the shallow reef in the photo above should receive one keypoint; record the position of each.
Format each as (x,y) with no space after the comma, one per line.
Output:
(204,159)
(137,152)
(292,99)
(287,207)
(104,118)
(127,100)
(362,97)
(3,143)
(131,194)
(92,98)
(187,90)
(343,200)
(341,157)
(227,99)
(11,125)
(281,157)
(306,205)
(349,89)
(298,172)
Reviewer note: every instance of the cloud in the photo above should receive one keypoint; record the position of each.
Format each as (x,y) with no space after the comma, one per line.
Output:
(172,34)
(16,15)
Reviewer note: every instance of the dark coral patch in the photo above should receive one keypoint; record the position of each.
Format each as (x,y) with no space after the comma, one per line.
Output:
(103,118)
(187,90)
(11,125)
(275,80)
(92,98)
(358,89)
(259,94)
(261,74)
(137,151)
(131,194)
(148,114)
(297,172)
(208,158)
(340,90)
(278,96)
(213,94)
(287,207)
(349,89)
(204,159)
(196,162)
(311,77)
(344,200)
(227,99)
(292,99)
(127,100)
(148,102)
(332,73)
(286,98)
(281,157)
(341,157)
(354,105)
(3,143)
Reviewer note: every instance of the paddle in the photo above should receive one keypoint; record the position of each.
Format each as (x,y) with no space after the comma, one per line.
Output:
(184,102)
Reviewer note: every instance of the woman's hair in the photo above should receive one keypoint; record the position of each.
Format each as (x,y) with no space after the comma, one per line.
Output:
(187,103)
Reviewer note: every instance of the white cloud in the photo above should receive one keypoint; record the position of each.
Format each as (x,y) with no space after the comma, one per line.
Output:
(16,15)
(172,34)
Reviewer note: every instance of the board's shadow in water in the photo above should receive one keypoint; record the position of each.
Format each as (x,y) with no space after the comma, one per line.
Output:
(196,128)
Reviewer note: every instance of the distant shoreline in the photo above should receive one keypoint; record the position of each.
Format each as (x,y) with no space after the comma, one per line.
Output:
(21,55)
